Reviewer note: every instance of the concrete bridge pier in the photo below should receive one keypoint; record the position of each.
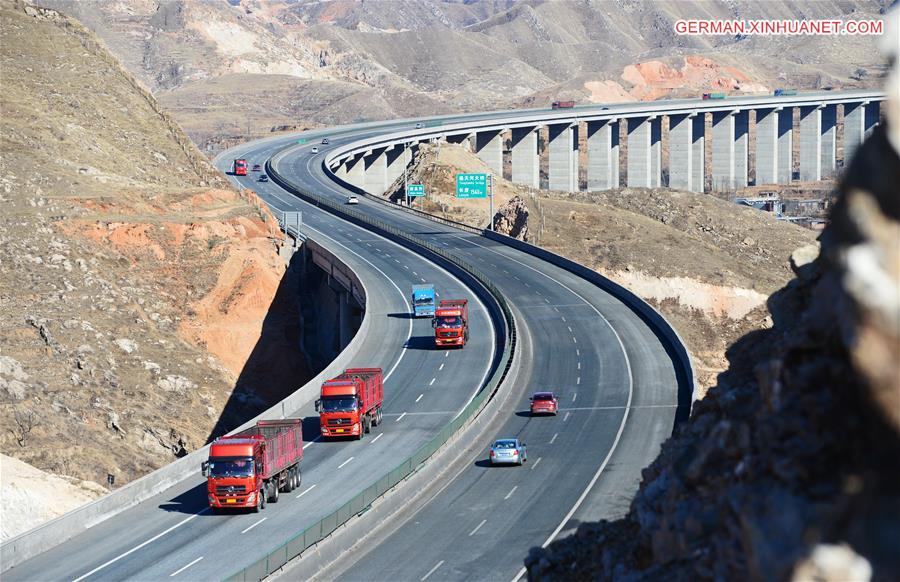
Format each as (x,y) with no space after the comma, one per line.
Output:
(563,157)
(686,136)
(644,152)
(376,171)
(828,141)
(356,171)
(397,158)
(730,134)
(602,154)
(525,160)
(811,143)
(489,148)
(785,152)
(766,146)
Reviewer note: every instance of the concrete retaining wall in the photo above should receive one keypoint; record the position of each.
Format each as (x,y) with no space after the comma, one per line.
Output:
(57,531)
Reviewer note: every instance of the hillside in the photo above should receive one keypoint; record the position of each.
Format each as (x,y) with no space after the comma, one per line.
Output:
(134,281)
(707,264)
(348,60)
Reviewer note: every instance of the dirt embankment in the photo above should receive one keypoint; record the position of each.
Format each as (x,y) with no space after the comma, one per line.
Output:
(707,264)
(135,285)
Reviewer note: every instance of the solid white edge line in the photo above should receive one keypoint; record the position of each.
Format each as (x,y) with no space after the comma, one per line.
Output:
(183,568)
(139,546)
(243,531)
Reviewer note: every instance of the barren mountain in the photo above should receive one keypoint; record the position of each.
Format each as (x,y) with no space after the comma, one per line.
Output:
(127,263)
(350,60)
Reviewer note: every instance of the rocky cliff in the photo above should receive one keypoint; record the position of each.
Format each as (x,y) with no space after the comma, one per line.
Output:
(134,282)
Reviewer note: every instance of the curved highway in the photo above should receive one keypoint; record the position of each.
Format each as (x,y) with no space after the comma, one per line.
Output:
(172,535)
(618,397)
(617,384)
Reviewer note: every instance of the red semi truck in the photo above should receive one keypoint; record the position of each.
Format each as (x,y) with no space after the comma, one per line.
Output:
(350,405)
(451,323)
(240,167)
(252,467)
(563,104)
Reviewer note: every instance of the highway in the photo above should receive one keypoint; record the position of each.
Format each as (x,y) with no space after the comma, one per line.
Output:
(424,388)
(618,393)
(618,397)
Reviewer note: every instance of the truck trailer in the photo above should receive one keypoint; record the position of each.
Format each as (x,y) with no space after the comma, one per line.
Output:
(451,323)
(250,468)
(350,405)
(423,300)
(563,104)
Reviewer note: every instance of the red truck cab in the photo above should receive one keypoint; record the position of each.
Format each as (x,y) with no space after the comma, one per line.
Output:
(240,167)
(350,405)
(451,323)
(247,469)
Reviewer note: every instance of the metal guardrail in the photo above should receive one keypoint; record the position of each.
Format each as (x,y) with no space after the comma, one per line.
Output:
(318,531)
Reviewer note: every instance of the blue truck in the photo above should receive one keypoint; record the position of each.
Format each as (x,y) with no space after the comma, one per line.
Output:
(423,300)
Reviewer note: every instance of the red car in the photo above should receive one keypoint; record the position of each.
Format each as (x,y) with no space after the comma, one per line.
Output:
(544,403)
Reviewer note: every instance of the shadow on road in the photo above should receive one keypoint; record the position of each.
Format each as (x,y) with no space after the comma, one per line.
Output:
(403,315)
(421,342)
(191,501)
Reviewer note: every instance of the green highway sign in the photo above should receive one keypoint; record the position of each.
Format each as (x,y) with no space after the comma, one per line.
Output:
(415,190)
(471,185)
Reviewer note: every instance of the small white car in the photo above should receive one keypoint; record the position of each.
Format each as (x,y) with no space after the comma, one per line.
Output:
(315,150)
(352,200)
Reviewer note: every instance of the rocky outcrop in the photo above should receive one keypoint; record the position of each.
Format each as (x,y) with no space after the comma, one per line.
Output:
(512,219)
(788,468)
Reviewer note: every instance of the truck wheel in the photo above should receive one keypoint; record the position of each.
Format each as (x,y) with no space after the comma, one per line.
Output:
(274,497)
(295,481)
(299,477)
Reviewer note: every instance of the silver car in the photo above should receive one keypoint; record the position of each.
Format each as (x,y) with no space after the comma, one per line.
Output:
(508,452)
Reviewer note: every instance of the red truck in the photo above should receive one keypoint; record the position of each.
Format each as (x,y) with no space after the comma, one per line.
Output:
(251,467)
(451,323)
(563,104)
(350,405)
(240,167)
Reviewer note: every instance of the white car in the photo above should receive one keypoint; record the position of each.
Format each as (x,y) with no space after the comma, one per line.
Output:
(315,150)
(352,200)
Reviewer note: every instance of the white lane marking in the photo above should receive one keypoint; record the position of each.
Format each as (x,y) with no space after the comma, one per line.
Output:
(447,354)
(538,292)
(516,278)
(477,527)
(564,318)
(579,365)
(368,244)
(432,381)
(615,444)
(556,309)
(566,417)
(420,397)
(406,267)
(441,367)
(315,440)
(372,442)
(556,434)
(511,491)
(423,280)
(305,491)
(577,352)
(396,261)
(546,300)
(430,572)
(570,328)
(536,463)
(578,380)
(399,418)
(139,546)
(574,396)
(254,525)
(358,239)
(415,274)
(527,285)
(183,568)
(341,466)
